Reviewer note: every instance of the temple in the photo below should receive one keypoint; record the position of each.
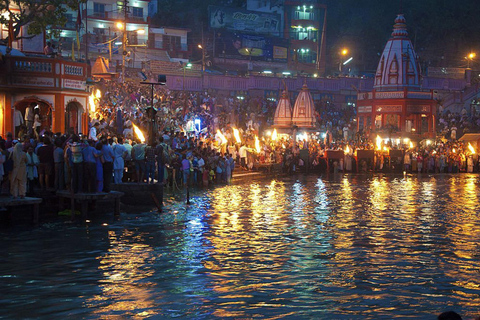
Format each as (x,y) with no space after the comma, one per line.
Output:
(397,105)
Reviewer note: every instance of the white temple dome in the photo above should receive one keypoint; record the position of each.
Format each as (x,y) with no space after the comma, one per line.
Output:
(304,110)
(283,113)
(398,67)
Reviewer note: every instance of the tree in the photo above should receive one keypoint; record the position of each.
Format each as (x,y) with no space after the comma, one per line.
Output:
(36,15)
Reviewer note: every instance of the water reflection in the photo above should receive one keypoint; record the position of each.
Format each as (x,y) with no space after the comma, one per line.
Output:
(354,246)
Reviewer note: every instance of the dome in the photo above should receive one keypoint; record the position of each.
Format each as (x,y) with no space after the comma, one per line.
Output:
(304,110)
(283,113)
(398,67)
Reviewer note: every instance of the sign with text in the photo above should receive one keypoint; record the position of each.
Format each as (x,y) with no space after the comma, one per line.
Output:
(73,84)
(34,82)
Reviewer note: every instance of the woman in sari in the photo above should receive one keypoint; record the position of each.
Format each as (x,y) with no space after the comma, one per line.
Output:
(18,177)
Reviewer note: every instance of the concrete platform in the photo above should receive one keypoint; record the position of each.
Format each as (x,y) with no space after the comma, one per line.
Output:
(9,202)
(86,198)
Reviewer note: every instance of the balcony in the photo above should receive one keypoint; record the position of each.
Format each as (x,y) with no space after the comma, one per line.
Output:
(116,16)
(43,73)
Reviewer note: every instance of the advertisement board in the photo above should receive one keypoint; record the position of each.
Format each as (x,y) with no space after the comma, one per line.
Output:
(236,45)
(243,20)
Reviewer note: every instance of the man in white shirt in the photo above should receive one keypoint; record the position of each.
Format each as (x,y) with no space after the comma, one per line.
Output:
(92,135)
(243,156)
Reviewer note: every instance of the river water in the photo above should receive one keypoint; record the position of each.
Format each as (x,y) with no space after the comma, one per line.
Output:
(344,247)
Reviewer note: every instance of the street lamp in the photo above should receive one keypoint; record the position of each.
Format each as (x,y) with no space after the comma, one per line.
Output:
(123,26)
(343,53)
(470,57)
(203,57)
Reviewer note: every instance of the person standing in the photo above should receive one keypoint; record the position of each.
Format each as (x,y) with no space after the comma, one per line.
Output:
(119,153)
(150,162)
(99,162)
(92,134)
(59,165)
(18,120)
(90,167)
(37,123)
(108,156)
(18,176)
(29,116)
(32,169)
(45,168)
(138,157)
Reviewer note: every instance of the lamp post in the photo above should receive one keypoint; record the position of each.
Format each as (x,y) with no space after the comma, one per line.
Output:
(151,112)
(470,57)
(203,57)
(343,53)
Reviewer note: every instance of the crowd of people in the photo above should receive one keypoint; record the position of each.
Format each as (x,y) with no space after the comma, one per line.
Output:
(199,138)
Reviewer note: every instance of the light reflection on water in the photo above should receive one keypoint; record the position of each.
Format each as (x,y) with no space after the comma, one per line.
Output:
(348,247)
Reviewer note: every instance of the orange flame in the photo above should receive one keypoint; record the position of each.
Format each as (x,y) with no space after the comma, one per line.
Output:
(274,135)
(222,137)
(257,144)
(139,133)
(470,147)
(236,133)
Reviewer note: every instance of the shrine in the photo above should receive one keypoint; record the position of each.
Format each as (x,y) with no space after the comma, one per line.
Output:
(397,106)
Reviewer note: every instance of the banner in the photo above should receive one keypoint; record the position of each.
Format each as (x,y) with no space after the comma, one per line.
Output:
(250,47)
(243,20)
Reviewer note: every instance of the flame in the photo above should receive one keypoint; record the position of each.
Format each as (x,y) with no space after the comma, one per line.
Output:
(257,144)
(379,142)
(91,102)
(385,148)
(220,134)
(139,133)
(347,149)
(470,147)
(411,145)
(98,94)
(453,150)
(274,135)
(236,133)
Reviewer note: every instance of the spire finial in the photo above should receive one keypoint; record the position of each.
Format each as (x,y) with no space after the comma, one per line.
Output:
(401,6)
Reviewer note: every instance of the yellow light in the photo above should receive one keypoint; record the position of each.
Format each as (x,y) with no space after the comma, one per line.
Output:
(453,150)
(472,55)
(411,145)
(274,135)
(257,144)
(344,52)
(347,149)
(379,142)
(98,94)
(222,137)
(91,102)
(236,134)
(385,148)
(119,25)
(406,140)
(141,31)
(200,46)
(470,147)
(139,133)
(429,142)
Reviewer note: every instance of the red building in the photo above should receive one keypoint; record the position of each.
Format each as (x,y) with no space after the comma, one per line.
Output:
(56,86)
(397,105)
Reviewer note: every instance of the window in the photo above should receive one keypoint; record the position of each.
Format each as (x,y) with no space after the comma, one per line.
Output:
(137,12)
(99,9)
(303,14)
(172,43)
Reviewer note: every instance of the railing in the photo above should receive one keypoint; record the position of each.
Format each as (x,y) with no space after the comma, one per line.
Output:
(43,72)
(32,66)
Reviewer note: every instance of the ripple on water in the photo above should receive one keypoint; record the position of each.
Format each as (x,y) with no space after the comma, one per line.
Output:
(353,246)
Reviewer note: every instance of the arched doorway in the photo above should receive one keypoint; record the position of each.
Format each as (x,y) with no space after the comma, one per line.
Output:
(44,110)
(73,120)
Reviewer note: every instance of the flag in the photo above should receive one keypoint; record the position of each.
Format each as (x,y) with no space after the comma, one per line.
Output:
(73,51)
